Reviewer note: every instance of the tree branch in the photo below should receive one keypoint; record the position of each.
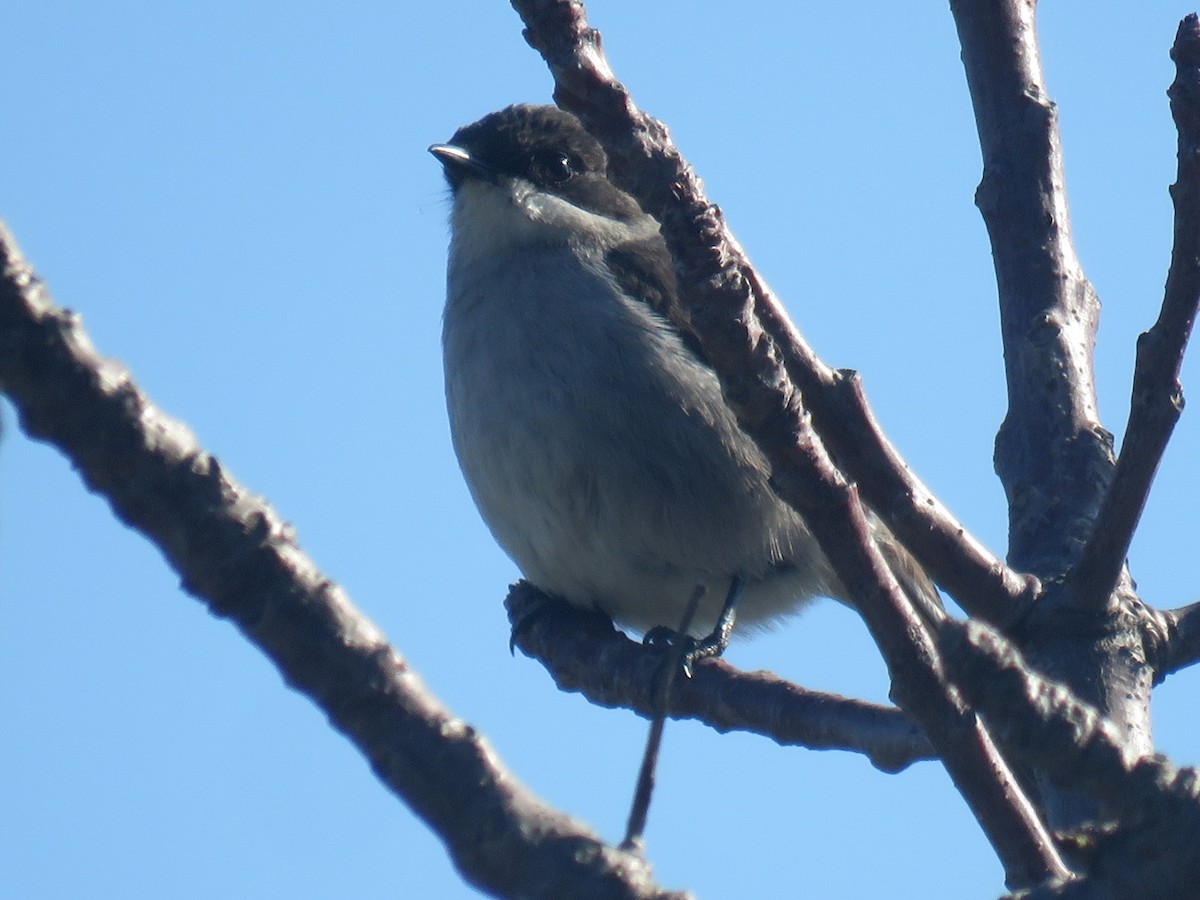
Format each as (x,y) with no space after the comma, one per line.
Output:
(970,573)
(709,261)
(724,295)
(1052,455)
(1157,394)
(235,553)
(1181,648)
(584,653)
(1152,852)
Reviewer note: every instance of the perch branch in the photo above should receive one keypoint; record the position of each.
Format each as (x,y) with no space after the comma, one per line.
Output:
(584,653)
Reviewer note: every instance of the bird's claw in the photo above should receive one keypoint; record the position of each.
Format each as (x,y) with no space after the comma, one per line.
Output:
(691,650)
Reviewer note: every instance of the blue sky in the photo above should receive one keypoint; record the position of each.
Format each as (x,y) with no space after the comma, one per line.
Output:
(239,203)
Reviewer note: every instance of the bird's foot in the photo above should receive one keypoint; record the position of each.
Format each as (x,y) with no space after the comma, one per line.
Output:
(693,649)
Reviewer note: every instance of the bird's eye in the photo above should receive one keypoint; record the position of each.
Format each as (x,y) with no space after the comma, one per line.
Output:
(552,167)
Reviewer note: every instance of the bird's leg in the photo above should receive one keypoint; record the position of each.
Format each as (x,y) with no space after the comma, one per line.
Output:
(712,644)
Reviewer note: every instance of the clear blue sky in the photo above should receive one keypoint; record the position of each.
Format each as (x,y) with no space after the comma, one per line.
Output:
(237,199)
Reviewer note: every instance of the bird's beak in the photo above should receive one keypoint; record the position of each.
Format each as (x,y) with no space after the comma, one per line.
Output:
(458,162)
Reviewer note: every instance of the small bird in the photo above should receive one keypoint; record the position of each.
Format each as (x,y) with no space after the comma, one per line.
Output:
(590,429)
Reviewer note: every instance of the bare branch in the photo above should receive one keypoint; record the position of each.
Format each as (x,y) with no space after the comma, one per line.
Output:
(984,586)
(1041,721)
(1152,852)
(234,552)
(1052,455)
(584,653)
(711,264)
(1181,648)
(1157,394)
(724,296)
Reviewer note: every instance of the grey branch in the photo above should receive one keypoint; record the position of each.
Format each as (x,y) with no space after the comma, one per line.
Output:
(584,653)
(1153,852)
(233,552)
(1181,648)
(1157,400)
(1052,455)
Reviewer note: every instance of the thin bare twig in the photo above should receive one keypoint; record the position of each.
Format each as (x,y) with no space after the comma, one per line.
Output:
(1157,400)
(724,296)
(236,554)
(672,666)
(1181,648)
(584,653)
(644,161)
(925,525)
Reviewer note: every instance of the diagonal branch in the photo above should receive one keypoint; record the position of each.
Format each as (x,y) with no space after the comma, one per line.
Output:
(645,161)
(584,653)
(1157,394)
(730,310)
(235,553)
(1052,454)
(1152,852)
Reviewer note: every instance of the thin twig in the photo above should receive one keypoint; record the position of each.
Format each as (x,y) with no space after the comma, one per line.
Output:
(671,667)
(237,555)
(1157,400)
(927,527)
(1181,648)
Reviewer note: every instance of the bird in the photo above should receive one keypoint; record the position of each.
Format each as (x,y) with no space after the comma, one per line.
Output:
(590,429)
